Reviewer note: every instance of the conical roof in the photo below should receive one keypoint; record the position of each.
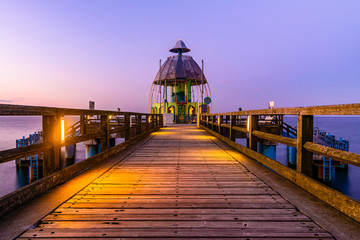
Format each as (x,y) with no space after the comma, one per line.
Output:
(179,68)
(179,45)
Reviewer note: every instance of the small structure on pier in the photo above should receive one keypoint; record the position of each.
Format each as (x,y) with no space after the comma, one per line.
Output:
(180,87)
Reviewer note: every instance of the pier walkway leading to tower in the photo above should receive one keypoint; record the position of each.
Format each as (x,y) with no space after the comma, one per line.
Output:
(184,183)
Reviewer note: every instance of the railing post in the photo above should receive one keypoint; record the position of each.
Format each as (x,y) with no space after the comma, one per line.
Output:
(252,125)
(232,124)
(220,121)
(127,125)
(104,139)
(305,131)
(82,124)
(139,122)
(161,120)
(152,121)
(51,126)
(147,122)
(213,122)
(207,121)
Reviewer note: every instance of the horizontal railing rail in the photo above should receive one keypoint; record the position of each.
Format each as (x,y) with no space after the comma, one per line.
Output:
(93,124)
(226,127)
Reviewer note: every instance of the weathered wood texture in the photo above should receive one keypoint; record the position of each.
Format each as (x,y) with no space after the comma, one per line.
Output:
(89,129)
(252,126)
(334,198)
(275,138)
(10,154)
(341,109)
(305,132)
(179,184)
(23,195)
(336,154)
(21,110)
(51,135)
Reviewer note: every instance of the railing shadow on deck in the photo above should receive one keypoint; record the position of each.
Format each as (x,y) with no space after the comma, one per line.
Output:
(254,126)
(93,124)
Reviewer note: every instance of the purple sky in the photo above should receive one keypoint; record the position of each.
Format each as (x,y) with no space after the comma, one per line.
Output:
(65,53)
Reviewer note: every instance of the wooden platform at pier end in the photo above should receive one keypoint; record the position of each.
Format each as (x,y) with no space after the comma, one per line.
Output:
(179,184)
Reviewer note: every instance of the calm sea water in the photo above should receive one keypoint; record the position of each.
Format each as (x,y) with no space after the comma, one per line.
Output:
(12,128)
(348,128)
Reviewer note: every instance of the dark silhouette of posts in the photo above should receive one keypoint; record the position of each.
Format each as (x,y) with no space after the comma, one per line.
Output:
(305,131)
(104,140)
(128,127)
(82,124)
(148,118)
(252,125)
(51,126)
(214,123)
(232,124)
(138,124)
(220,121)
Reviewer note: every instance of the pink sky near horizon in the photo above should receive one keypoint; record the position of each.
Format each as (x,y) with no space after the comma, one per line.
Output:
(65,53)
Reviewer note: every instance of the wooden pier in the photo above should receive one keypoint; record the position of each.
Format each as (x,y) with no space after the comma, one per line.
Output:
(181,181)
(181,184)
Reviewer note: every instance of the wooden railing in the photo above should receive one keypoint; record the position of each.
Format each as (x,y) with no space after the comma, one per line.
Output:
(93,124)
(226,125)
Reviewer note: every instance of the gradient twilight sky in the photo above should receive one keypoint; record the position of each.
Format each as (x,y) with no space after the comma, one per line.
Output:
(65,53)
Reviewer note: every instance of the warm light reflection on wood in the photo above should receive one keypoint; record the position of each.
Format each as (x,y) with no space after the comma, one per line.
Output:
(62,130)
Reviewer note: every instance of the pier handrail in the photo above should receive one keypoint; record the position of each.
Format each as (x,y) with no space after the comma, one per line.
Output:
(93,124)
(225,125)
(52,131)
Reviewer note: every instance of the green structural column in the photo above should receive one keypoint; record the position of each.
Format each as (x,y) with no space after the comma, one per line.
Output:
(172,93)
(188,91)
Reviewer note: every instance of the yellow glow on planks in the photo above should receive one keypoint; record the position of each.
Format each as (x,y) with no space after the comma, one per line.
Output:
(62,129)
(200,137)
(162,133)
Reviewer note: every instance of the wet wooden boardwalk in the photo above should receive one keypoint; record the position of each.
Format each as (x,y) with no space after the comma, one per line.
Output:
(179,184)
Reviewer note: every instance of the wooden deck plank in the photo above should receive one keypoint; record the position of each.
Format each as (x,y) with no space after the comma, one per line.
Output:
(179,184)
(172,232)
(155,238)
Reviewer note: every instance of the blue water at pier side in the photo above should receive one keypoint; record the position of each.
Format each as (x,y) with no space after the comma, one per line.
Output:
(12,128)
(348,128)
